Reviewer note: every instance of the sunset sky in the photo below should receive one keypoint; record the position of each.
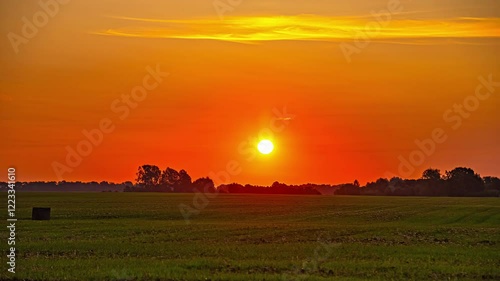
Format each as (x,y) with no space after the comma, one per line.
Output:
(354,106)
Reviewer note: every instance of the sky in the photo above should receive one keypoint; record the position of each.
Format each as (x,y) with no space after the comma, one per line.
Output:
(345,89)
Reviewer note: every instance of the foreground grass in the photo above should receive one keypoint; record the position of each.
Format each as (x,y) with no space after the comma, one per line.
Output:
(123,236)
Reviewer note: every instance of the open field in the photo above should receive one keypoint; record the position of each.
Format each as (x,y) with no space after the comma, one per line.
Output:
(143,236)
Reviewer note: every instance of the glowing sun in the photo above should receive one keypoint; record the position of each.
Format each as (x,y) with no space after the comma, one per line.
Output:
(265,146)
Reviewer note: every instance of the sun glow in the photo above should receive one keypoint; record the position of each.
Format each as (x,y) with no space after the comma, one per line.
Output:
(265,146)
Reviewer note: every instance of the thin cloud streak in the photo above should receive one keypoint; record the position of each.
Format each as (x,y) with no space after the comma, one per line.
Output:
(305,28)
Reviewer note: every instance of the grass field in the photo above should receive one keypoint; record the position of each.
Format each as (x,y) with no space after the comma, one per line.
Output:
(143,236)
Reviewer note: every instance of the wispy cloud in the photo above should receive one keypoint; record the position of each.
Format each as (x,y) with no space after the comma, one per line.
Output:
(304,27)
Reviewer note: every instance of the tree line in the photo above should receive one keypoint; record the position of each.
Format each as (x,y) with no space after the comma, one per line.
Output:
(151,178)
(460,181)
(457,182)
(65,186)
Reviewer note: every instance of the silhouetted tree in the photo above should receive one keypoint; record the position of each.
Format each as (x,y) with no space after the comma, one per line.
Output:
(492,183)
(184,183)
(205,185)
(431,174)
(431,184)
(231,188)
(169,179)
(464,181)
(492,186)
(395,183)
(148,176)
(348,189)
(379,187)
(127,183)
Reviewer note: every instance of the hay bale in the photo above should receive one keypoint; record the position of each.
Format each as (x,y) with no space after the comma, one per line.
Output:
(41,214)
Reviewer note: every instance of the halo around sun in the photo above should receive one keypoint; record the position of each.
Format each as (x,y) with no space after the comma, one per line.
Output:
(265,146)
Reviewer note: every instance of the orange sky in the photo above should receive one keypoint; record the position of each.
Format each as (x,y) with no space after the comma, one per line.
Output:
(352,118)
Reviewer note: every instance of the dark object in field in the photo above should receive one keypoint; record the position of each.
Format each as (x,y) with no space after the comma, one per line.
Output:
(41,214)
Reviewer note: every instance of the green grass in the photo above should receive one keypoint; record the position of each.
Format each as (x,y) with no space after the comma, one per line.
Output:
(143,236)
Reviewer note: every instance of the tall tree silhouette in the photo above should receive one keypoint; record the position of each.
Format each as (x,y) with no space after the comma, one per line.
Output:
(148,176)
(492,183)
(169,179)
(431,174)
(205,185)
(464,181)
(184,183)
